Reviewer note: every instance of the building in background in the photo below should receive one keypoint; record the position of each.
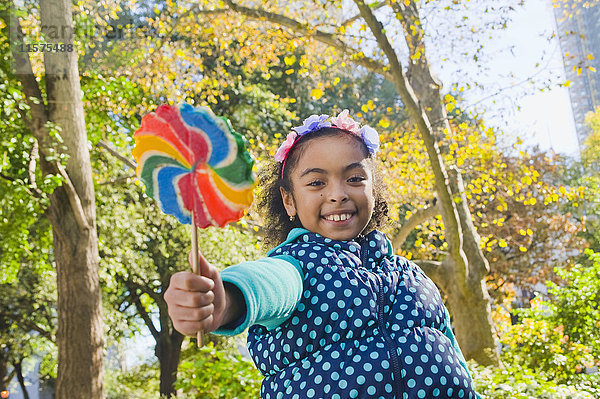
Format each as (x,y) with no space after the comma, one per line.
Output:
(578,23)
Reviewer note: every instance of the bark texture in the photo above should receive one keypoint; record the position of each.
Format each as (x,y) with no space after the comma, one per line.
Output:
(80,325)
(72,211)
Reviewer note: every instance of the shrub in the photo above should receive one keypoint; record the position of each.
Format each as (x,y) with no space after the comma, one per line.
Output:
(515,381)
(214,373)
(541,345)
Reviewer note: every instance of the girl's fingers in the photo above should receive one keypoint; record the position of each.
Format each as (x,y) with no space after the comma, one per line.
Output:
(204,267)
(183,314)
(191,328)
(189,321)
(187,281)
(187,299)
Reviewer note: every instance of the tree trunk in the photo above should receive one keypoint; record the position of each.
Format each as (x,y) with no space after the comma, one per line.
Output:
(168,340)
(19,370)
(168,350)
(4,380)
(468,298)
(72,211)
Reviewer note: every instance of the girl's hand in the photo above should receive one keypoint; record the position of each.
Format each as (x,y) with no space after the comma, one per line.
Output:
(197,302)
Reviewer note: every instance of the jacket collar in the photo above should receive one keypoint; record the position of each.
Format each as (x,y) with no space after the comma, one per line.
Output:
(375,243)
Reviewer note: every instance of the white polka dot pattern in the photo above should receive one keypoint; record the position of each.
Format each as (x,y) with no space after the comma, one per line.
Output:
(368,325)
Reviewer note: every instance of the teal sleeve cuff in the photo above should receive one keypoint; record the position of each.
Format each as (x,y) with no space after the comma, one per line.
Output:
(272,288)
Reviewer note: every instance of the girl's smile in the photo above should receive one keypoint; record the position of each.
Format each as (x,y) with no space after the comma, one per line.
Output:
(332,188)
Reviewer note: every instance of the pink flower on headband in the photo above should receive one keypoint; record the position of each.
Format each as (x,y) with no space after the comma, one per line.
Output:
(345,122)
(286,146)
(312,123)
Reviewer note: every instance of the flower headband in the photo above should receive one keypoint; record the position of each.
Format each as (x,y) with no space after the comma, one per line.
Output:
(315,122)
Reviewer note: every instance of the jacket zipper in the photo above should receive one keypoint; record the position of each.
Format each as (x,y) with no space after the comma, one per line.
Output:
(390,347)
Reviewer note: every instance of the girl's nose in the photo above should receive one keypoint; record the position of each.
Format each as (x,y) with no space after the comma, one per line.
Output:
(337,193)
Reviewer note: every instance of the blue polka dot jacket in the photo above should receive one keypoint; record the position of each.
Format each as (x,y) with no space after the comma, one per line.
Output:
(346,319)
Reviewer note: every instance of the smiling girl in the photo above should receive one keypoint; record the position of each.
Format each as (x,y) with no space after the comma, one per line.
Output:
(331,312)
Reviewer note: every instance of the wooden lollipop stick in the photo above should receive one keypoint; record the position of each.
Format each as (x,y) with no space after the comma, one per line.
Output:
(196,270)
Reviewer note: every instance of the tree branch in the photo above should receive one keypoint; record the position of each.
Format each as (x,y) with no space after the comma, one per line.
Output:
(116,154)
(395,74)
(194,10)
(303,29)
(431,268)
(374,6)
(417,113)
(479,265)
(31,169)
(117,180)
(74,199)
(416,219)
(145,316)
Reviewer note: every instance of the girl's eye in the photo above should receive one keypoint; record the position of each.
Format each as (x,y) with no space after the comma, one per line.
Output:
(356,179)
(315,183)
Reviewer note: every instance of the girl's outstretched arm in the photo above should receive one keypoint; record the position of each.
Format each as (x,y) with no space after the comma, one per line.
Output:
(201,302)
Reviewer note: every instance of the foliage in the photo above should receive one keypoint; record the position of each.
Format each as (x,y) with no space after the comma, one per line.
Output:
(558,338)
(141,381)
(576,303)
(518,382)
(213,373)
(541,345)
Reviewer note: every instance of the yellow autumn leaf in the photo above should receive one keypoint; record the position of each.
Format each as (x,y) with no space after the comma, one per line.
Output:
(384,123)
(526,180)
(289,60)
(316,93)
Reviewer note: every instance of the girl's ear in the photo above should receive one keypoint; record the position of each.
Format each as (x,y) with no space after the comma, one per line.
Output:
(288,202)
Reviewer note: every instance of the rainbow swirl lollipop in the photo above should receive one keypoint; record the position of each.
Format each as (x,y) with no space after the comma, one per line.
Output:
(194,165)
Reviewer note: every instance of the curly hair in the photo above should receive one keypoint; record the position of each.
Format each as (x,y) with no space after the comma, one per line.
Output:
(269,204)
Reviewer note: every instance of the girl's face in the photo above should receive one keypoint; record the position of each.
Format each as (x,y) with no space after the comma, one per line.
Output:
(332,188)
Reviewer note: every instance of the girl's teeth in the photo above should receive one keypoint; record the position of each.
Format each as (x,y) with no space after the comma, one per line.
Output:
(337,218)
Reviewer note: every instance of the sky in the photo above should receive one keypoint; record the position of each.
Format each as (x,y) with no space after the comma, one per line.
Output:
(538,117)
(547,115)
